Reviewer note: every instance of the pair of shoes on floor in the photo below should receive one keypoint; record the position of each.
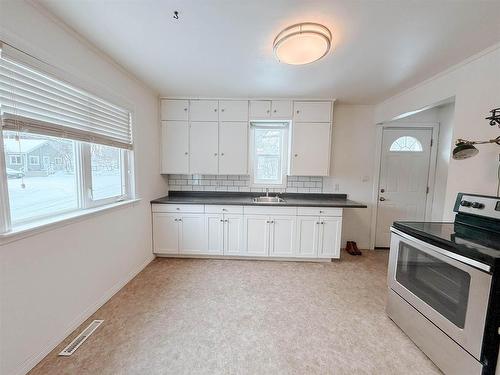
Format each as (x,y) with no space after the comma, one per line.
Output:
(352,248)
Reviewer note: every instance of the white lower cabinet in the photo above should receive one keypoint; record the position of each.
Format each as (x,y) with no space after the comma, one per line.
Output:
(256,232)
(331,228)
(319,237)
(260,233)
(225,234)
(282,236)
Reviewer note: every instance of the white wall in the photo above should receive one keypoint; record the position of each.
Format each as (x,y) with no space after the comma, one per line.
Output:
(352,167)
(51,281)
(474,84)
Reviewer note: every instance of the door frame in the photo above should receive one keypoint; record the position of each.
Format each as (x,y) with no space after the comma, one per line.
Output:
(434,126)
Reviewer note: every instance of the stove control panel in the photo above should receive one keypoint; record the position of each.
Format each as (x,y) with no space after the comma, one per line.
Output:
(479,205)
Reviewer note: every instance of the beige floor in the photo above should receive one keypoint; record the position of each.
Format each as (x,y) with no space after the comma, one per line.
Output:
(247,317)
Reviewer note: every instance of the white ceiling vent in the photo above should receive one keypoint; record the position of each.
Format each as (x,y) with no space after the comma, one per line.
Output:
(80,339)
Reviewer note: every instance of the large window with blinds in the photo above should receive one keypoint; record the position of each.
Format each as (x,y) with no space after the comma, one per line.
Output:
(62,148)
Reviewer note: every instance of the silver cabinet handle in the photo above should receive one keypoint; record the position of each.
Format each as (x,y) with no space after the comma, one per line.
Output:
(322,223)
(221,220)
(321,212)
(185,109)
(298,111)
(295,155)
(186,153)
(382,199)
(318,223)
(222,110)
(215,154)
(227,220)
(222,154)
(274,111)
(175,220)
(215,110)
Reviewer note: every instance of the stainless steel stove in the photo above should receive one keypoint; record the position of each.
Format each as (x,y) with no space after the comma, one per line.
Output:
(444,288)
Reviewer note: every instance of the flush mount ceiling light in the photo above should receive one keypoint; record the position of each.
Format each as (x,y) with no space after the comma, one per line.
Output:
(302,43)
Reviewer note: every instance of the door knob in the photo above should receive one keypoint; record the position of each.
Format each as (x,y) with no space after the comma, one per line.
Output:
(382,199)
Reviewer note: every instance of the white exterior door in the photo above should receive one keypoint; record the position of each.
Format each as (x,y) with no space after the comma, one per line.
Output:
(308,236)
(166,233)
(256,235)
(204,148)
(175,147)
(215,233)
(282,236)
(192,234)
(310,149)
(233,234)
(330,230)
(404,176)
(233,141)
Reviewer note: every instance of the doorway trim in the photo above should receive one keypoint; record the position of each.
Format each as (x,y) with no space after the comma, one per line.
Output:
(434,126)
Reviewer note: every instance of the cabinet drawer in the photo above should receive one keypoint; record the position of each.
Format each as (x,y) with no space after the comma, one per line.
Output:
(312,111)
(185,208)
(319,211)
(174,110)
(223,209)
(259,210)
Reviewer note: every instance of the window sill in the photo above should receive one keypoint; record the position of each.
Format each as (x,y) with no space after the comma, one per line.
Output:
(40,226)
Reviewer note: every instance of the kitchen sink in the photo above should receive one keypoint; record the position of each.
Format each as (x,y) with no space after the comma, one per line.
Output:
(268,200)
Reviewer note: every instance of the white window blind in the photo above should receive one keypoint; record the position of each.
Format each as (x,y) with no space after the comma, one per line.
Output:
(36,102)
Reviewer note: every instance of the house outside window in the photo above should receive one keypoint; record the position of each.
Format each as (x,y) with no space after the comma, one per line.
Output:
(269,154)
(15,160)
(34,160)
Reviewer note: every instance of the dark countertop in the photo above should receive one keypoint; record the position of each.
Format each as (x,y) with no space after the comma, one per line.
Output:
(473,243)
(246,199)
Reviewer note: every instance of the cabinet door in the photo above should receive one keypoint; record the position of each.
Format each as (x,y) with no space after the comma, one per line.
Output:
(310,149)
(233,236)
(308,236)
(174,110)
(283,235)
(192,234)
(331,229)
(256,235)
(203,146)
(312,111)
(175,147)
(203,110)
(215,233)
(281,109)
(260,109)
(233,141)
(165,233)
(233,110)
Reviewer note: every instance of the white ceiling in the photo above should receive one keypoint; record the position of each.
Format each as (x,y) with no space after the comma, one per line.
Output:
(223,48)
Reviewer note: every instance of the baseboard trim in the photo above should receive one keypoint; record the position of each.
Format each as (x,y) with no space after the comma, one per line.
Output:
(236,257)
(31,362)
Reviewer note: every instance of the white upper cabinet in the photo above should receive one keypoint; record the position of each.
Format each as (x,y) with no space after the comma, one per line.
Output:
(174,110)
(281,109)
(233,110)
(204,110)
(260,109)
(175,147)
(263,109)
(233,140)
(204,148)
(310,154)
(312,111)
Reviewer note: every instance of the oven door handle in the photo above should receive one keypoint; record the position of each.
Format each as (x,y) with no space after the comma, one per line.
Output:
(449,254)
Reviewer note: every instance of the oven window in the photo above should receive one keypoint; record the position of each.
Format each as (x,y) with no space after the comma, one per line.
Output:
(440,285)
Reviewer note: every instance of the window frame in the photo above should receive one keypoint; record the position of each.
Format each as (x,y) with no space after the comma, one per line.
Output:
(35,157)
(83,183)
(17,156)
(284,152)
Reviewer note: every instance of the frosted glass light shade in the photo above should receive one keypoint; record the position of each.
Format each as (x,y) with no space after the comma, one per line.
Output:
(302,43)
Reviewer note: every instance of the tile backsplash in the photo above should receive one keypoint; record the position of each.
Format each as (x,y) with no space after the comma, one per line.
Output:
(196,182)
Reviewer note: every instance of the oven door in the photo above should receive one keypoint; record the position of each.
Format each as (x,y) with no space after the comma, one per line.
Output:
(450,293)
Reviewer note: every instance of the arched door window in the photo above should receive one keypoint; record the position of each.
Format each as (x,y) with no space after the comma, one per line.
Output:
(406,144)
